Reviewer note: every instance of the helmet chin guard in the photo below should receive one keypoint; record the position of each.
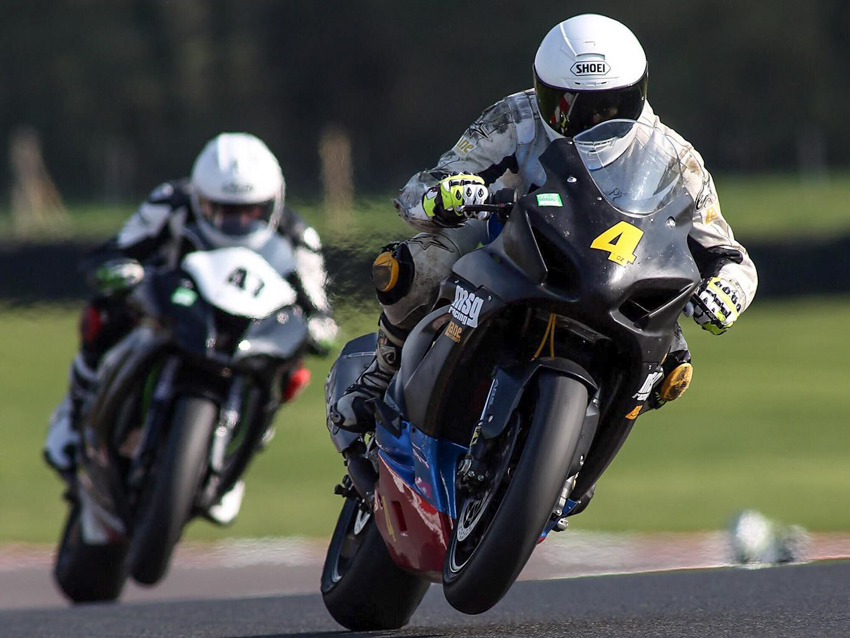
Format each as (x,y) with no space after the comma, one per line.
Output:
(238,191)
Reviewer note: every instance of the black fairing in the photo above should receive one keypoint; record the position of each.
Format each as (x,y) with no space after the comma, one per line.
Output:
(202,330)
(192,326)
(550,246)
(623,315)
(281,335)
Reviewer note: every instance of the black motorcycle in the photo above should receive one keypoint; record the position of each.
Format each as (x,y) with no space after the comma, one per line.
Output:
(183,403)
(518,389)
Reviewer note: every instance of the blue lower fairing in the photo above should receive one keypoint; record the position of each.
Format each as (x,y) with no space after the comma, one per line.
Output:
(427,464)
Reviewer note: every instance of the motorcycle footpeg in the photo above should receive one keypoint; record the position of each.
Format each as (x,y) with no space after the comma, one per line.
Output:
(561,524)
(345,488)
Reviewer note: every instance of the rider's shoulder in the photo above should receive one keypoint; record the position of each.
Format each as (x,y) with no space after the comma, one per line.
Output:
(174,194)
(499,114)
(689,156)
(501,118)
(649,118)
(294,228)
(521,99)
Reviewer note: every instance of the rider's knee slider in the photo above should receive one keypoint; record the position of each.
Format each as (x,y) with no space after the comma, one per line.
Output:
(392,273)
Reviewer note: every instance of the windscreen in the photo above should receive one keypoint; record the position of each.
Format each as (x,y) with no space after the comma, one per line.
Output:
(634,165)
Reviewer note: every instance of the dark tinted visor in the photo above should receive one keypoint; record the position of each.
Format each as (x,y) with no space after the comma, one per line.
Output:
(571,112)
(237,219)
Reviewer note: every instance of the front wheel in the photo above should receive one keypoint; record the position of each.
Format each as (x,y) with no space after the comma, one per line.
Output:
(176,479)
(363,589)
(499,525)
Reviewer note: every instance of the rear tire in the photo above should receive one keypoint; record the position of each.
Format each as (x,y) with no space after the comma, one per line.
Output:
(481,566)
(177,477)
(363,589)
(88,573)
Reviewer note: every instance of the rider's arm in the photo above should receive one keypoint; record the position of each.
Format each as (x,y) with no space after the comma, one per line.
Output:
(487,149)
(311,277)
(310,281)
(146,233)
(712,242)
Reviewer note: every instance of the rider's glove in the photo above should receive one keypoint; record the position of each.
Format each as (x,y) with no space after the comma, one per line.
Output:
(442,200)
(323,332)
(117,275)
(717,305)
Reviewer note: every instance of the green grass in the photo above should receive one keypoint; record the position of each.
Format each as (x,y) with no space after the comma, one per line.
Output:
(764,425)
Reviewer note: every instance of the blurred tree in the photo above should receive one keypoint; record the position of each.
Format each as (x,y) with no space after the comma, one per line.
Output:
(37,208)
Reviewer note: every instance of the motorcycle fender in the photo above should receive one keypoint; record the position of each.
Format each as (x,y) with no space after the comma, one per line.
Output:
(508,387)
(355,357)
(509,384)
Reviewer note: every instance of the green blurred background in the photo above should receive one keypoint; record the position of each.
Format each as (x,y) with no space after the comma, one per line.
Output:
(121,96)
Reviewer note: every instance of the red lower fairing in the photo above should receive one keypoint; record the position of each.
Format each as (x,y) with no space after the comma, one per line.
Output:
(416,534)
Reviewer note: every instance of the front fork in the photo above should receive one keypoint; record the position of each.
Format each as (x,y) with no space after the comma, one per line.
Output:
(474,469)
(229,418)
(155,418)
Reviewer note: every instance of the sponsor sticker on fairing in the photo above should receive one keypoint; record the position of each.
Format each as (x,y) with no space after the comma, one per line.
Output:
(184,297)
(466,307)
(549,199)
(453,332)
(646,388)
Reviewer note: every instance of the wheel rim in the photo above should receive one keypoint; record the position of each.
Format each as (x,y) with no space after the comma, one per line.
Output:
(477,512)
(352,540)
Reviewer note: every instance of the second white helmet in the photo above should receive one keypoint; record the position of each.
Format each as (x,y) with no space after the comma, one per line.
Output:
(238,191)
(589,69)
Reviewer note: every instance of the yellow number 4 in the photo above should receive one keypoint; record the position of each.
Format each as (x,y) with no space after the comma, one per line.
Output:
(620,241)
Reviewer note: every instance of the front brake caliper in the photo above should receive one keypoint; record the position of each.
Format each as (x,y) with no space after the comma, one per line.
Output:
(472,472)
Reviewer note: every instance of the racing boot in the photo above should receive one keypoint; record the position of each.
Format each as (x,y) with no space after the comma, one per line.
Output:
(677,375)
(351,411)
(224,512)
(63,436)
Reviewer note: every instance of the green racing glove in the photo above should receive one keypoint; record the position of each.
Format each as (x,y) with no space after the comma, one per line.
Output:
(442,200)
(117,275)
(717,305)
(323,332)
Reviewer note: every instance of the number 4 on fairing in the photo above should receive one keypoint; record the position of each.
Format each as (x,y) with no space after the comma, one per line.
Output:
(620,241)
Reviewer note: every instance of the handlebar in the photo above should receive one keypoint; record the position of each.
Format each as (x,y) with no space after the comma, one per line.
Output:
(501,203)
(471,210)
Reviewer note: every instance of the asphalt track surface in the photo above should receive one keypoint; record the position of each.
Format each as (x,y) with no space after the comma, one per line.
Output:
(790,601)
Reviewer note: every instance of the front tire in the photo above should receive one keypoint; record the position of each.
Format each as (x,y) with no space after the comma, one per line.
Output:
(177,477)
(88,573)
(363,589)
(498,528)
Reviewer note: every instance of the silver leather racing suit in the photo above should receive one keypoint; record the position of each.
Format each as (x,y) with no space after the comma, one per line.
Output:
(504,146)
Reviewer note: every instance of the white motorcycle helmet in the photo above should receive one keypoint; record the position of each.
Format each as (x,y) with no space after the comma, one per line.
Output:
(589,69)
(237,191)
